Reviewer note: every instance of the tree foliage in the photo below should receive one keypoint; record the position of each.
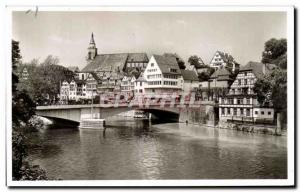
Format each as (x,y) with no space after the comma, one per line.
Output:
(43,83)
(272,89)
(23,109)
(275,52)
(195,61)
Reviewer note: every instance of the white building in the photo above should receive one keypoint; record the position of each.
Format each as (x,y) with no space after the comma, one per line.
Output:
(221,59)
(163,76)
(73,90)
(127,85)
(139,85)
(92,82)
(240,104)
(64,91)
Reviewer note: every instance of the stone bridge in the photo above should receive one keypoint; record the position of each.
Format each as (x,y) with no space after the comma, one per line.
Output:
(77,113)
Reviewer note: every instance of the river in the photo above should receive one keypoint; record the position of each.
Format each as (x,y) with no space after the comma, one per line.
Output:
(139,150)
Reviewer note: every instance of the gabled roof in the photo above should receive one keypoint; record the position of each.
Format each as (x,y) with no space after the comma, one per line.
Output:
(177,57)
(189,75)
(222,74)
(114,62)
(257,68)
(137,57)
(73,68)
(167,63)
(94,75)
(223,57)
(107,62)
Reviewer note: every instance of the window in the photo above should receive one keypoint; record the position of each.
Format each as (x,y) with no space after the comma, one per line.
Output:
(269,113)
(248,100)
(228,110)
(153,90)
(245,81)
(223,111)
(256,112)
(173,70)
(239,82)
(248,112)
(245,73)
(242,111)
(234,111)
(262,112)
(141,83)
(230,101)
(152,64)
(240,101)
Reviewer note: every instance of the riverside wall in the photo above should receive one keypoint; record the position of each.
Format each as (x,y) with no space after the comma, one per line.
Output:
(206,115)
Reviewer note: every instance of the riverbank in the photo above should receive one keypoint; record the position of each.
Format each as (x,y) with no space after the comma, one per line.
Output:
(250,128)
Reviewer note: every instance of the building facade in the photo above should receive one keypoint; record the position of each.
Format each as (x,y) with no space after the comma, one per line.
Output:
(163,76)
(221,59)
(240,104)
(127,85)
(190,81)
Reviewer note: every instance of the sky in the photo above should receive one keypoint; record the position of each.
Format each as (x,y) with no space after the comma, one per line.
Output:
(67,34)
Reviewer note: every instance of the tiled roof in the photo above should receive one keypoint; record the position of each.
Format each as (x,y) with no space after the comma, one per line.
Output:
(137,57)
(189,75)
(167,63)
(221,74)
(73,68)
(257,68)
(107,62)
(114,62)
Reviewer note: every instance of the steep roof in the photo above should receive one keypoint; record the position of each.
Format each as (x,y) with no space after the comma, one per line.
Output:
(224,56)
(165,63)
(137,57)
(222,74)
(73,68)
(257,68)
(114,62)
(107,62)
(178,58)
(189,75)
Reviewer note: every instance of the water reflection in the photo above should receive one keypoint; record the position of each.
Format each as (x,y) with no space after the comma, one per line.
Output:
(137,150)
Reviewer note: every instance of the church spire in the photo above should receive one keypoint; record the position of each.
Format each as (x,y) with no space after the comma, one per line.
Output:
(92,49)
(92,39)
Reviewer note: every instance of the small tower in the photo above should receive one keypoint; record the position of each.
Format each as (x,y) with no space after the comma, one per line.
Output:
(92,49)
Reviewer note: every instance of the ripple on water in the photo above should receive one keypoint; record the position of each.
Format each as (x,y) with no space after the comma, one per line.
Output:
(136,150)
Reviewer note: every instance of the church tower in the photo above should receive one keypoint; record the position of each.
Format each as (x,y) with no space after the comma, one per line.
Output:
(92,49)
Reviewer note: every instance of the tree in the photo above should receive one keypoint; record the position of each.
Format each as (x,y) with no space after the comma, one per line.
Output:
(272,89)
(194,60)
(275,52)
(43,83)
(205,75)
(23,109)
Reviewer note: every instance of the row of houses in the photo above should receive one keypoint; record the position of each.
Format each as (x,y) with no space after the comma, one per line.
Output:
(133,74)
(234,93)
(161,76)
